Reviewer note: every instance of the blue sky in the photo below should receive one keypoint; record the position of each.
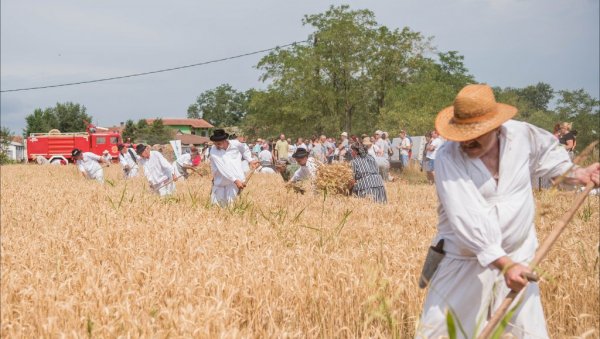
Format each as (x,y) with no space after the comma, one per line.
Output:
(505,43)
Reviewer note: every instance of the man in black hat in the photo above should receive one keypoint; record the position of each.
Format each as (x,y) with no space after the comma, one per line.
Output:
(226,158)
(128,160)
(308,166)
(157,170)
(89,164)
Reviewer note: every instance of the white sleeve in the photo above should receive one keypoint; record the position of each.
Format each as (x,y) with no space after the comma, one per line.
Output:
(244,151)
(547,157)
(93,156)
(474,222)
(122,160)
(298,175)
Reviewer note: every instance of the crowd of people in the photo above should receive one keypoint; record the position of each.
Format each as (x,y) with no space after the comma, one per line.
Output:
(481,162)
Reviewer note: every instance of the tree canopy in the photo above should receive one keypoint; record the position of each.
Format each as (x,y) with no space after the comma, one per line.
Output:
(67,117)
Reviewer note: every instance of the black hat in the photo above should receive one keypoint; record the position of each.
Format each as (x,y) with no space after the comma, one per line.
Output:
(75,152)
(120,146)
(219,135)
(140,148)
(300,153)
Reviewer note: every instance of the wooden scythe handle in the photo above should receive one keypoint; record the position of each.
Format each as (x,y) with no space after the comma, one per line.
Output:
(539,255)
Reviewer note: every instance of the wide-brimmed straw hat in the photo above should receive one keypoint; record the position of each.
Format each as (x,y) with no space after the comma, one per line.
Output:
(367,141)
(474,113)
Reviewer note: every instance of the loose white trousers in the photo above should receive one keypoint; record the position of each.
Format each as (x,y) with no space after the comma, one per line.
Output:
(223,195)
(472,293)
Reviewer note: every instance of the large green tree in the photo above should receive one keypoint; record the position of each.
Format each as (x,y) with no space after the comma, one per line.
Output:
(340,80)
(413,106)
(222,106)
(66,117)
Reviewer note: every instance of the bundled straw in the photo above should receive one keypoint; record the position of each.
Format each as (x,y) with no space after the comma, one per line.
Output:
(335,178)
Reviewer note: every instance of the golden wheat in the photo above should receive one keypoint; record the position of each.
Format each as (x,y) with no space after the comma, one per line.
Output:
(80,259)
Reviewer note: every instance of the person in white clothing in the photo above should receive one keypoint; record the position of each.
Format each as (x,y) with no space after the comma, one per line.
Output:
(404,148)
(184,162)
(128,160)
(486,214)
(89,164)
(265,156)
(157,169)
(226,158)
(432,149)
(107,157)
(308,166)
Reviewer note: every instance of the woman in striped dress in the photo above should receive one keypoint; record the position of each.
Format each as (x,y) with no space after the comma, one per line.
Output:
(368,182)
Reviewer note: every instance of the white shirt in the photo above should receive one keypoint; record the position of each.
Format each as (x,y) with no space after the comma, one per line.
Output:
(374,151)
(156,168)
(265,156)
(405,143)
(436,143)
(226,165)
(487,219)
(89,164)
(308,171)
(301,146)
(127,160)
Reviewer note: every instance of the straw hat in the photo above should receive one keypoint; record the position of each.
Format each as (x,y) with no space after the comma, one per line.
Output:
(367,141)
(474,113)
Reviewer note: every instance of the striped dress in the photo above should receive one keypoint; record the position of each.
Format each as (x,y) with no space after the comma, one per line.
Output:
(368,181)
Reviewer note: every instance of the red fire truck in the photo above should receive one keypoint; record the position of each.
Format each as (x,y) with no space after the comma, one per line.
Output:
(55,146)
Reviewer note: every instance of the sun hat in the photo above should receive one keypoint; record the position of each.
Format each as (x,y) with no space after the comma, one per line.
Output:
(378,132)
(367,141)
(300,153)
(75,152)
(473,113)
(344,134)
(140,148)
(219,135)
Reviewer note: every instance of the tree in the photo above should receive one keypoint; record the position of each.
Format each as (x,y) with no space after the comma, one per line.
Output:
(156,133)
(339,81)
(67,117)
(222,106)
(583,110)
(5,139)
(130,131)
(414,106)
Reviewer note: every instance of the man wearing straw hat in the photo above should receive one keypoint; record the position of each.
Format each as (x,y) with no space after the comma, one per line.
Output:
(486,213)
(226,164)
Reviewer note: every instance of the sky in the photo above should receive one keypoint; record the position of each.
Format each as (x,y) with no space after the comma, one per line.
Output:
(505,43)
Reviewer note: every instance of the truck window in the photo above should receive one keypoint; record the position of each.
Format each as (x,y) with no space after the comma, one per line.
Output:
(114,140)
(100,140)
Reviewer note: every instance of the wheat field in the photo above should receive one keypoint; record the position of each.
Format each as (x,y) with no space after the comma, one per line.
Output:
(79,259)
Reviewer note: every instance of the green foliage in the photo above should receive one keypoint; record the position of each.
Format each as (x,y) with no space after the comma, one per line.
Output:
(130,131)
(67,117)
(5,138)
(338,82)
(222,106)
(580,108)
(156,133)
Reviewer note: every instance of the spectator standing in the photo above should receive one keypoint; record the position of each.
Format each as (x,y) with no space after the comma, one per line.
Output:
(281,148)
(404,147)
(432,149)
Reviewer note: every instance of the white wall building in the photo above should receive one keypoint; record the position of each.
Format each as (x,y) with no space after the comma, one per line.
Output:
(15,151)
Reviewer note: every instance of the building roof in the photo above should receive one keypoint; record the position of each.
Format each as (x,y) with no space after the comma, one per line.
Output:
(191,139)
(196,123)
